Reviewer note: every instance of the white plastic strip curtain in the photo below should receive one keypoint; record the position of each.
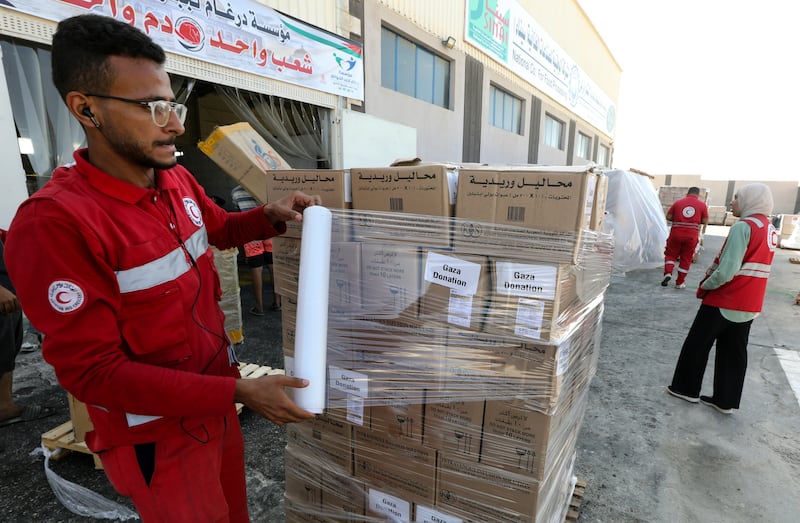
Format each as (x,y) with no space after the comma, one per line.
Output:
(295,129)
(182,87)
(39,113)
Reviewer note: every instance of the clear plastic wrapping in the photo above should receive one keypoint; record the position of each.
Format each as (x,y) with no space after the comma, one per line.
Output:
(457,373)
(634,215)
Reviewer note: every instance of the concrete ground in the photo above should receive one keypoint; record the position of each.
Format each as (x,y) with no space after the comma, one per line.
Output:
(649,457)
(645,456)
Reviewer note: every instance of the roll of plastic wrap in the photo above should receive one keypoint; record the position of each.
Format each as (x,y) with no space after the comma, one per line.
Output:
(311,333)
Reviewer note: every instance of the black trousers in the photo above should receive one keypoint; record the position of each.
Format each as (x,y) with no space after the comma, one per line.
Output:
(730,363)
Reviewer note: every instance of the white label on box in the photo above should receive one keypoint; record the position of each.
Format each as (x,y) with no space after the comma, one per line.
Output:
(428,515)
(530,316)
(563,357)
(355,410)
(527,281)
(453,273)
(395,508)
(348,381)
(459,310)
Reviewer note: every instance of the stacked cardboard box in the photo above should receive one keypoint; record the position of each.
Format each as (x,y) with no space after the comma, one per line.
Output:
(789,229)
(669,194)
(716,214)
(462,341)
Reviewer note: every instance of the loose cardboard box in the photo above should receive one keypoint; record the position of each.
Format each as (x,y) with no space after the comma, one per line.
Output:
(403,469)
(244,155)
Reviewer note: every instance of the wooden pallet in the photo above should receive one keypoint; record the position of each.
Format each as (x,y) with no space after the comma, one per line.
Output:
(574,510)
(61,440)
(251,370)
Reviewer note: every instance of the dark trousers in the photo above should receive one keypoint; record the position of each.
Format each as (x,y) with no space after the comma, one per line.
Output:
(730,363)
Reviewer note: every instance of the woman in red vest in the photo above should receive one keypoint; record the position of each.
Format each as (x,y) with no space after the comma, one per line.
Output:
(733,293)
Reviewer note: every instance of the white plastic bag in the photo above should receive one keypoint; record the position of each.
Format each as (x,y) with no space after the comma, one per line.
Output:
(81,500)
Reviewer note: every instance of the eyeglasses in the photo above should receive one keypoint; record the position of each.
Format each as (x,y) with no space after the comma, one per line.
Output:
(159,109)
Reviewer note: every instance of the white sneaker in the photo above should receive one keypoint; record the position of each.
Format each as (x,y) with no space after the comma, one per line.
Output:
(680,285)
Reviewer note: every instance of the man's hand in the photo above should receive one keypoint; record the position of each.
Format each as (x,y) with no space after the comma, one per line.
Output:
(8,301)
(290,207)
(266,397)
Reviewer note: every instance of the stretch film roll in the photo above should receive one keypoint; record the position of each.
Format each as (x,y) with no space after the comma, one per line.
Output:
(311,333)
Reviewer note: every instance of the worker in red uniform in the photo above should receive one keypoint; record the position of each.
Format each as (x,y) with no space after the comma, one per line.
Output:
(688,215)
(112,263)
(733,293)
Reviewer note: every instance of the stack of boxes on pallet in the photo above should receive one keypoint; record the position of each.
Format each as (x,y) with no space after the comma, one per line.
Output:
(462,338)
(669,194)
(465,309)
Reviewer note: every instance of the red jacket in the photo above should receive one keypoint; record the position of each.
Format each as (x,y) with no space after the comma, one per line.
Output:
(746,291)
(122,283)
(688,214)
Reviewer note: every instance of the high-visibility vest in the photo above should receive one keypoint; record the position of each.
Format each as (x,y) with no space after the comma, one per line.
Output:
(745,292)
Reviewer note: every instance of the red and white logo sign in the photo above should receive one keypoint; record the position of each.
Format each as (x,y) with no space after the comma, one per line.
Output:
(193,211)
(65,296)
(688,212)
(773,238)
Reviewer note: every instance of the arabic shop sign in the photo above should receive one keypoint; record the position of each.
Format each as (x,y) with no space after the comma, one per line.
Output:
(240,34)
(506,32)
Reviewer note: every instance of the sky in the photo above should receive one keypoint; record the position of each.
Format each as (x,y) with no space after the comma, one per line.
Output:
(708,87)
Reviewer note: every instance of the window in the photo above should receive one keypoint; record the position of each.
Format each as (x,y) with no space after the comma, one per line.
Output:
(505,110)
(413,70)
(553,132)
(583,146)
(602,156)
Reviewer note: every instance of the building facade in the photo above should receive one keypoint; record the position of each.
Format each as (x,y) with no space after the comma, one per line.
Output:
(336,84)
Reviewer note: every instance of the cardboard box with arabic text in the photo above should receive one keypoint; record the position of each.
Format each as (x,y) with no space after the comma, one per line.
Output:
(500,208)
(244,155)
(331,185)
(423,194)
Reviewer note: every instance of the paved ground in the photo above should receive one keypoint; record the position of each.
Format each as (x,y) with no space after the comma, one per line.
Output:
(649,457)
(645,456)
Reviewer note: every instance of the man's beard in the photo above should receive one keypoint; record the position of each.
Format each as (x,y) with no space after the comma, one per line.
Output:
(135,152)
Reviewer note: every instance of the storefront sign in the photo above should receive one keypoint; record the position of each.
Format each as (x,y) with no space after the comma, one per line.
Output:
(506,32)
(240,34)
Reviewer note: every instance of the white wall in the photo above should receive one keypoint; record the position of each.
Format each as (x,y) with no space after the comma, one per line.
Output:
(369,141)
(12,175)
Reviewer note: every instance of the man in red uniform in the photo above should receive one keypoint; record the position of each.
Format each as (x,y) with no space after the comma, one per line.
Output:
(111,261)
(733,293)
(688,215)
